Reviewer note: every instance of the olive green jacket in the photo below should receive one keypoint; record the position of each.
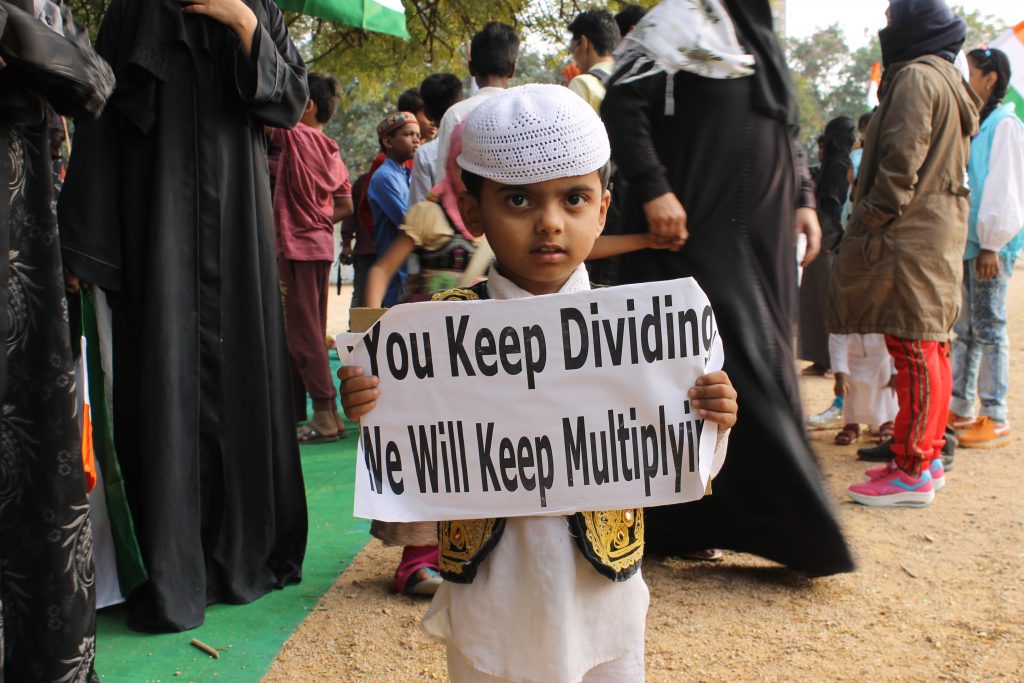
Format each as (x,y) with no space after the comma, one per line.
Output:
(900,264)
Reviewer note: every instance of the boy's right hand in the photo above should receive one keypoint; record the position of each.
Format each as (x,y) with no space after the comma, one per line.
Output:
(842,385)
(359,392)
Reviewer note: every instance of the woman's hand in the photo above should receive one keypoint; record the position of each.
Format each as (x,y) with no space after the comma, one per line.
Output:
(714,398)
(807,224)
(666,220)
(234,14)
(987,265)
(359,392)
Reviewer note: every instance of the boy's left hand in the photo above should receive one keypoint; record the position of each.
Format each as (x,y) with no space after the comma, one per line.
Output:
(714,398)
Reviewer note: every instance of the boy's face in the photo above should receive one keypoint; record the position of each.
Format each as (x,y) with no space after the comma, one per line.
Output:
(540,232)
(428,129)
(402,144)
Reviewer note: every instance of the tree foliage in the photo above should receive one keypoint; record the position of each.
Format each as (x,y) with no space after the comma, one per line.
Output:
(832,79)
(375,68)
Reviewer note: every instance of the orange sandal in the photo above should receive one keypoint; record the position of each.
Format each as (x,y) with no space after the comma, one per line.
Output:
(848,434)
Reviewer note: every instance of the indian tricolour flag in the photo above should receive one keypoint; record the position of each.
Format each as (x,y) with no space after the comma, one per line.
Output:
(381,16)
(1012,43)
(873,83)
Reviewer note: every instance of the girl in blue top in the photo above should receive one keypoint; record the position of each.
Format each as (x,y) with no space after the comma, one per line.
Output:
(994,239)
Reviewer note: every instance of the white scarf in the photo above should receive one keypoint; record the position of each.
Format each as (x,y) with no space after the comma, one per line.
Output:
(696,36)
(501,288)
(49,13)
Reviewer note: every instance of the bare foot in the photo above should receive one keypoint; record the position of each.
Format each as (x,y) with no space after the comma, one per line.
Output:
(340,423)
(323,422)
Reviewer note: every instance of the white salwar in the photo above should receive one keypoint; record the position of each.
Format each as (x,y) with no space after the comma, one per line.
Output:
(866,360)
(537,610)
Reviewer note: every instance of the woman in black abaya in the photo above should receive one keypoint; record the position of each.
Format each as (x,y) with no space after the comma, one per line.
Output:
(47,590)
(167,207)
(831,190)
(705,136)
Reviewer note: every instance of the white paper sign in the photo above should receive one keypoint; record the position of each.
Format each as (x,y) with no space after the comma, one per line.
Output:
(547,405)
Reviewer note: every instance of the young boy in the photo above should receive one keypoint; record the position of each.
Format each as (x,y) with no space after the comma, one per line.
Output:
(312,192)
(594,37)
(864,370)
(493,52)
(538,610)
(399,136)
(414,102)
(440,92)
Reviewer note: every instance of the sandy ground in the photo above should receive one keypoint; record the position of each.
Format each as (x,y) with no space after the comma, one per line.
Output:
(937,594)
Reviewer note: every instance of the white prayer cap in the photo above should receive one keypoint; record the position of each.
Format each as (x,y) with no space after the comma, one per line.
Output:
(533,133)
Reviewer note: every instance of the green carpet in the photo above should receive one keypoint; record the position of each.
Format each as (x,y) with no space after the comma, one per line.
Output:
(250,636)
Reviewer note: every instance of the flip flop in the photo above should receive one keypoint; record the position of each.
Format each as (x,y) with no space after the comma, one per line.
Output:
(310,435)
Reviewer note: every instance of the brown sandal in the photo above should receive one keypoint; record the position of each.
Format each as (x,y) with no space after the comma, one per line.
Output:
(848,434)
(885,431)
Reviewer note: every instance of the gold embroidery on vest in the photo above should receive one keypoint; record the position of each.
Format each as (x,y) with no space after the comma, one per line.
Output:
(460,540)
(616,536)
(455,295)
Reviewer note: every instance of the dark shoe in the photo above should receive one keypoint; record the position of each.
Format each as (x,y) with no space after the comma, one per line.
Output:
(308,434)
(949,450)
(880,453)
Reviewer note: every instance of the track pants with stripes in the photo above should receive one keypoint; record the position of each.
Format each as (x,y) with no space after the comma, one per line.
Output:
(924,384)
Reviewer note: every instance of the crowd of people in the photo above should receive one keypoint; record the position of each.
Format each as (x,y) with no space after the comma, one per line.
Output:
(193,237)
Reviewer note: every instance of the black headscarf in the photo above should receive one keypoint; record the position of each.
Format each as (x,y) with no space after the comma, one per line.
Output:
(773,92)
(838,139)
(921,27)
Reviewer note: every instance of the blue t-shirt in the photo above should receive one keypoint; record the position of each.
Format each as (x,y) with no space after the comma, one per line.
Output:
(389,200)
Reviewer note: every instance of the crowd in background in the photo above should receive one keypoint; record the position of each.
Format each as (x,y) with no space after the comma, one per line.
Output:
(197,233)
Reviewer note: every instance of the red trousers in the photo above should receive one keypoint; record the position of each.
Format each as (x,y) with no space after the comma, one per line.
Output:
(304,292)
(924,384)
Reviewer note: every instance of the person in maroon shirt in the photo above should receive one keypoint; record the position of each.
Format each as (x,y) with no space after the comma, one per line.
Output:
(312,193)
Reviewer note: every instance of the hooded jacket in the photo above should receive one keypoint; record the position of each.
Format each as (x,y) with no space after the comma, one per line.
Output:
(900,265)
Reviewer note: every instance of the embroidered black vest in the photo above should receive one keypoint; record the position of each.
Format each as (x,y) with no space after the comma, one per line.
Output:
(611,540)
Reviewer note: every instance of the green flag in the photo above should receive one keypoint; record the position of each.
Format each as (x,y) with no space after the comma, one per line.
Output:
(382,16)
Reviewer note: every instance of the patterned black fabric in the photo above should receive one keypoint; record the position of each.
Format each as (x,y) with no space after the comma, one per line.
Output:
(46,569)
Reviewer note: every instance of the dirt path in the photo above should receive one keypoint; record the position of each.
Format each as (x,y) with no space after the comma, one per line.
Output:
(937,596)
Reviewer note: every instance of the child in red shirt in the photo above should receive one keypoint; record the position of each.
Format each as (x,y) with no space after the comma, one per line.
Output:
(312,192)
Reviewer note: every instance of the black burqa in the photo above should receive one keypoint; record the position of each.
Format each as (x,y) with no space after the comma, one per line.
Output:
(729,155)
(832,187)
(47,588)
(167,206)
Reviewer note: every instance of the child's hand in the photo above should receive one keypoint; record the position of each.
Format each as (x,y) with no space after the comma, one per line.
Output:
(842,385)
(715,398)
(652,242)
(359,393)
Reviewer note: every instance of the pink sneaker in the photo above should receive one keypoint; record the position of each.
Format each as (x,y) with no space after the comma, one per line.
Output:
(895,489)
(936,470)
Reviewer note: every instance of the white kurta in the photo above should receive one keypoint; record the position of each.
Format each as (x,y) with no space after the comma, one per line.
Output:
(455,115)
(865,358)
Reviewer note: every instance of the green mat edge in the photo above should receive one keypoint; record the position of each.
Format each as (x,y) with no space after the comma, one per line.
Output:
(335,538)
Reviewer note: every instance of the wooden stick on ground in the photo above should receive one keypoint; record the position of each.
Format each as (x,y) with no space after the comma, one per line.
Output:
(205,648)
